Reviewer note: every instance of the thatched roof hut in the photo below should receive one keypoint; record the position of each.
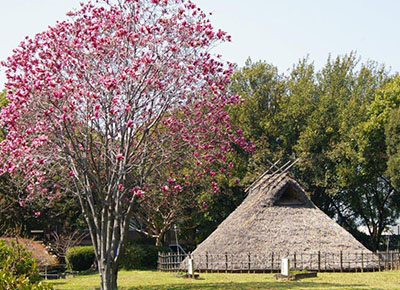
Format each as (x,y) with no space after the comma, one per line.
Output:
(277,217)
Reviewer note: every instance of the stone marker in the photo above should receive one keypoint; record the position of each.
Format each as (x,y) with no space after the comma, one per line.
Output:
(285,267)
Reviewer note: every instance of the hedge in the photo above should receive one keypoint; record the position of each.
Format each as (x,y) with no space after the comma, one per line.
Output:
(136,256)
(139,256)
(80,258)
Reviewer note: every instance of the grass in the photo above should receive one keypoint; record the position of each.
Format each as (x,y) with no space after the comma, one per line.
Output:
(153,280)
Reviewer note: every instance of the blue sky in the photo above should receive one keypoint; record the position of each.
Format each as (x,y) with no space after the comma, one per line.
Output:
(279,32)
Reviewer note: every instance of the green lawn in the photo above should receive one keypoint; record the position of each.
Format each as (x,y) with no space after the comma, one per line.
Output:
(154,280)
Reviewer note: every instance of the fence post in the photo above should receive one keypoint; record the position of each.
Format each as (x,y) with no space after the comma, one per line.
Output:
(173,261)
(272,262)
(294,260)
(206,261)
(319,261)
(159,261)
(341,261)
(166,262)
(302,261)
(226,262)
(386,265)
(379,261)
(391,260)
(362,261)
(249,262)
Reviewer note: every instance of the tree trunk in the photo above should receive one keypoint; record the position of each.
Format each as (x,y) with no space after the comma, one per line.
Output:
(108,276)
(108,235)
(159,239)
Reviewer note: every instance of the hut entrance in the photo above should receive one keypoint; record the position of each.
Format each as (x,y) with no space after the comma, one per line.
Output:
(289,197)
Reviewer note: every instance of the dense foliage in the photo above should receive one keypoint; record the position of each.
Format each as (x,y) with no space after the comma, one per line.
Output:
(80,258)
(18,269)
(135,256)
(140,256)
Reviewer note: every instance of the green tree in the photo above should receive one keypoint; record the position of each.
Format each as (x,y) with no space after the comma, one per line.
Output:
(392,132)
(296,105)
(262,87)
(343,148)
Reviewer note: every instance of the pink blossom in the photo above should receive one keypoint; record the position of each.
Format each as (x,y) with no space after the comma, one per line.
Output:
(129,123)
(178,187)
(139,193)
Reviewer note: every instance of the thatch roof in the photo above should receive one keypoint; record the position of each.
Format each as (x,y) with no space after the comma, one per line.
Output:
(277,216)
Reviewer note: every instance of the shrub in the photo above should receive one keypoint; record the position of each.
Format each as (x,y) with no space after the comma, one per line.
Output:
(18,269)
(133,257)
(80,258)
(14,258)
(138,256)
(12,282)
(151,256)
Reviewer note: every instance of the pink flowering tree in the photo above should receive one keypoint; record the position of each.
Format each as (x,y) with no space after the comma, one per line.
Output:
(189,167)
(94,103)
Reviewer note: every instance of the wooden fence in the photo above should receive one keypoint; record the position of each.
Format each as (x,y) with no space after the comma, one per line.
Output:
(264,263)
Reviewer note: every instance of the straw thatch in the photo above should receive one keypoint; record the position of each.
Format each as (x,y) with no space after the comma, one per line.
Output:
(278,217)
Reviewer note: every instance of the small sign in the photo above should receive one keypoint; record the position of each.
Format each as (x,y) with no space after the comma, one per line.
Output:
(190,266)
(285,267)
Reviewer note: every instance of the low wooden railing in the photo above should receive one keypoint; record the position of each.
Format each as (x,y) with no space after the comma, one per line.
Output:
(271,262)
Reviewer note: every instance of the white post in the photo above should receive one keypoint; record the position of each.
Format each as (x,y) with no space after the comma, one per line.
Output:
(190,266)
(285,267)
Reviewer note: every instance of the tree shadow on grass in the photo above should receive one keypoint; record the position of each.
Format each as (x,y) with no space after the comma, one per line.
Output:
(251,286)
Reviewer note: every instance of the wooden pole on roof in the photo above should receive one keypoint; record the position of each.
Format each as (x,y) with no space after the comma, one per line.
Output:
(262,175)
